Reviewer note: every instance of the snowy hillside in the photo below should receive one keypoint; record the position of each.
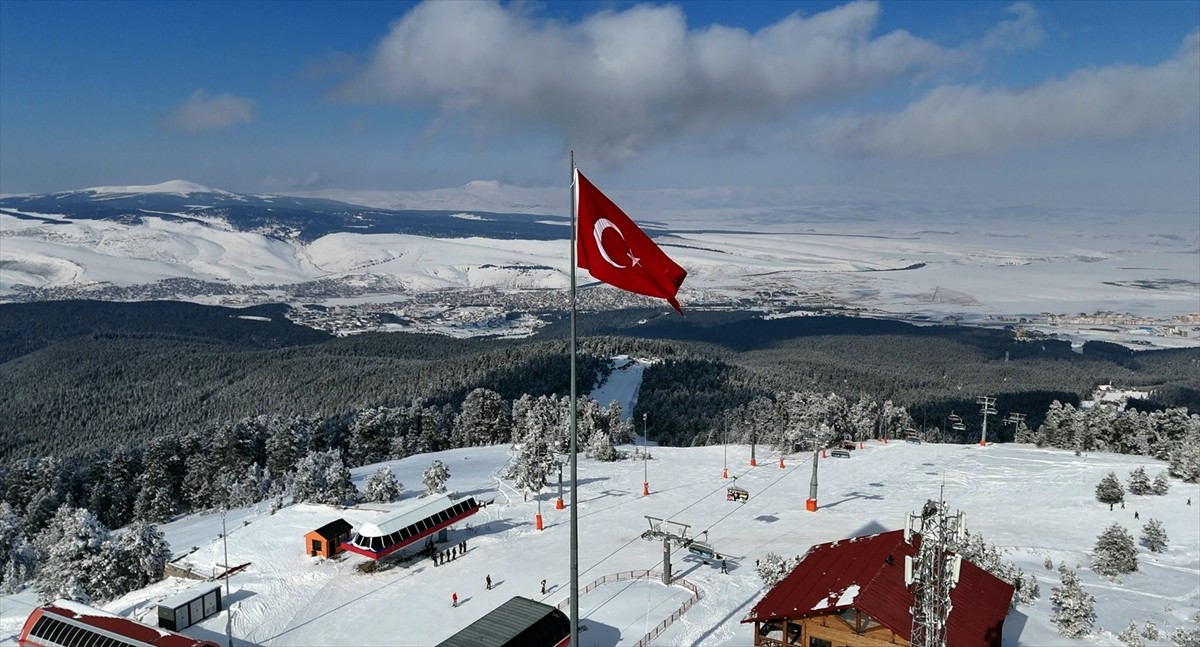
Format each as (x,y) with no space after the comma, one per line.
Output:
(1036,504)
(902,261)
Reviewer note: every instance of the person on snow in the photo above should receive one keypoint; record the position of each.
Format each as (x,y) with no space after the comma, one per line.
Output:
(489,582)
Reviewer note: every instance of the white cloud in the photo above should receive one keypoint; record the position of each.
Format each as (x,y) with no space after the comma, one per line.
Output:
(1023,30)
(618,81)
(1101,103)
(200,112)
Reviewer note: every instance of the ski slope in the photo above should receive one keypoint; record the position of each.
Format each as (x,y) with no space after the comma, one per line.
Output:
(1034,503)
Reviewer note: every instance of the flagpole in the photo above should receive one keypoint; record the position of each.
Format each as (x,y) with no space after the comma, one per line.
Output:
(574,431)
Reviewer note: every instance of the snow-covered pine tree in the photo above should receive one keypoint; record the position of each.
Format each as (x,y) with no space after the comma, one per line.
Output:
(371,433)
(19,567)
(1139,482)
(1154,537)
(1183,433)
(381,486)
(14,550)
(1049,564)
(484,420)
(285,443)
(146,551)
(621,432)
(1115,552)
(70,545)
(774,568)
(340,489)
(1109,490)
(1161,484)
(434,478)
(198,482)
(156,493)
(322,477)
(108,572)
(1188,636)
(1130,637)
(601,448)
(1074,609)
(1150,630)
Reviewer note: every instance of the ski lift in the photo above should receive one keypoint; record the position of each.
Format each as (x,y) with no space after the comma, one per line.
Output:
(735,493)
(703,550)
(956,422)
(911,437)
(846,444)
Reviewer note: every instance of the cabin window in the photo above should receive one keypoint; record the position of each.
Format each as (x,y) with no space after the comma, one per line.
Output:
(819,642)
(376,543)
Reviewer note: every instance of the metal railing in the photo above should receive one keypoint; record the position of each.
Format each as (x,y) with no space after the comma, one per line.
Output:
(646,575)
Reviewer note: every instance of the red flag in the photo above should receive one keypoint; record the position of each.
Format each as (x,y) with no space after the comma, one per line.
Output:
(612,249)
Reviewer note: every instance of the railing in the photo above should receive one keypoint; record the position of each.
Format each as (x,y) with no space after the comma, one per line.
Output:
(646,575)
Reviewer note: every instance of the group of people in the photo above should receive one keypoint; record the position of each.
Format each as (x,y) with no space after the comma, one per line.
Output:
(444,556)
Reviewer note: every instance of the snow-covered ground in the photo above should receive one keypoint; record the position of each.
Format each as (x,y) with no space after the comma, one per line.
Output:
(1034,503)
(897,261)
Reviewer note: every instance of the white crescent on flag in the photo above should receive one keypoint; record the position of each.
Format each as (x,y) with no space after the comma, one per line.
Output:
(598,232)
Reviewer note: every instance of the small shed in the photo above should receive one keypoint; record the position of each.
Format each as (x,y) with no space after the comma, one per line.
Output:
(520,622)
(326,540)
(188,607)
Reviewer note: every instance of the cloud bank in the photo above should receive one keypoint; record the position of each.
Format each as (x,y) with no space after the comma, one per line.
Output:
(1102,103)
(201,113)
(619,81)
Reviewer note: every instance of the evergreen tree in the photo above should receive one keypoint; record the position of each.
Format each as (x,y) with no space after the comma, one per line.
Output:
(156,496)
(1154,537)
(146,552)
(774,568)
(286,443)
(19,567)
(484,420)
(434,478)
(1115,552)
(198,487)
(381,486)
(71,546)
(1109,490)
(1188,636)
(107,573)
(1150,630)
(601,448)
(1130,637)
(1162,484)
(17,560)
(322,477)
(1074,608)
(1139,483)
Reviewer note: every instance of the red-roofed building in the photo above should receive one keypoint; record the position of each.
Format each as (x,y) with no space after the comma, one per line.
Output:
(851,592)
(70,624)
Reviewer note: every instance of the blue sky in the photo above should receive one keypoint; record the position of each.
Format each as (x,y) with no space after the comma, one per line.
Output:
(1062,103)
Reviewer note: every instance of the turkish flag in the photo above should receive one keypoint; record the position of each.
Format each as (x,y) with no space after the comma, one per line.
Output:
(613,250)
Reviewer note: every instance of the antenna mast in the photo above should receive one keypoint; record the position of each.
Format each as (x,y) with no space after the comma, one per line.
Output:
(933,572)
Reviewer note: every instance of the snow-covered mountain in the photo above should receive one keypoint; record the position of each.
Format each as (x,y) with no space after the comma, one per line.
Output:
(902,260)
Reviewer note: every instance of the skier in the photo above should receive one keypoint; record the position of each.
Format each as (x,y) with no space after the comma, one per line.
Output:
(1135,515)
(543,586)
(454,599)
(489,582)
(724,568)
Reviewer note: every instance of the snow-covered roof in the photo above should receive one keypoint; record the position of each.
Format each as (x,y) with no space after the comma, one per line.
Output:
(857,574)
(408,515)
(187,595)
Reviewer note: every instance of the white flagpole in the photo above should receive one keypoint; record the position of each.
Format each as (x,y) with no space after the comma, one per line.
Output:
(574,426)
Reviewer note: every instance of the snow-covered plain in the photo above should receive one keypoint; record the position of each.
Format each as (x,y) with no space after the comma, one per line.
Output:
(1034,503)
(900,260)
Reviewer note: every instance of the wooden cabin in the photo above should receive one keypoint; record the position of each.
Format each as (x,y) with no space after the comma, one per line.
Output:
(327,540)
(851,593)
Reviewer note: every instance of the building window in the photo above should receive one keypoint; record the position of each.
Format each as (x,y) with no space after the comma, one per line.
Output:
(817,642)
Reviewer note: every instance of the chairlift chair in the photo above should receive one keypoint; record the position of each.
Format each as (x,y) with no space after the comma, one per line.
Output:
(735,493)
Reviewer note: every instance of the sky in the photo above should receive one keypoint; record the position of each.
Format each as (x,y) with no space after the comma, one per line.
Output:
(999,103)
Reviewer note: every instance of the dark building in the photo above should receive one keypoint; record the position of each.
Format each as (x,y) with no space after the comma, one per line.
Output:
(520,622)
